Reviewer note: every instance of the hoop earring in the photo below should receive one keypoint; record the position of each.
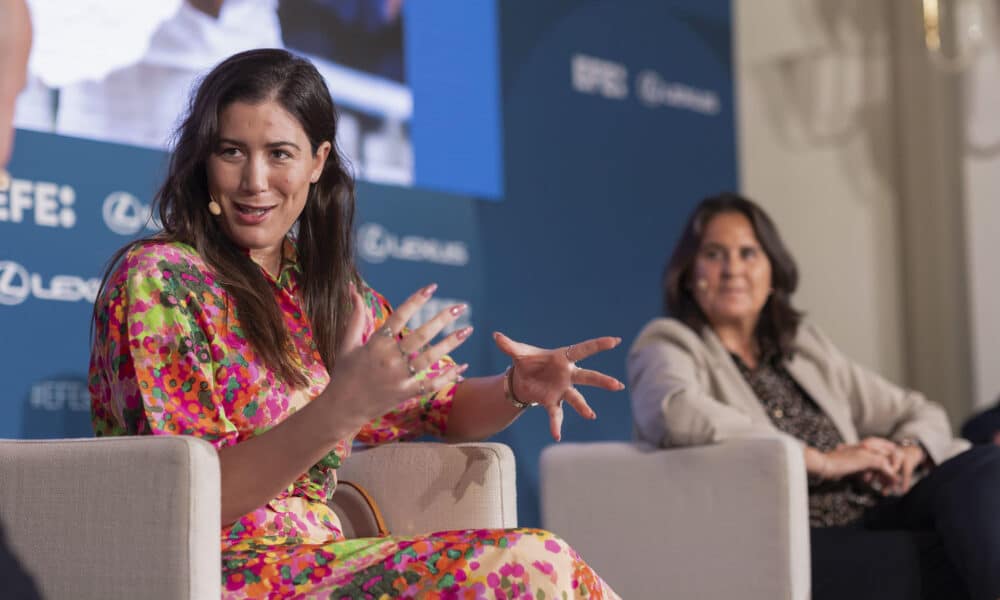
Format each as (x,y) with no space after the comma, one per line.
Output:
(213,206)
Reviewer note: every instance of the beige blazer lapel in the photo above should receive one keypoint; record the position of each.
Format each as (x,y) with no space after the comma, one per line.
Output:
(730,379)
(805,374)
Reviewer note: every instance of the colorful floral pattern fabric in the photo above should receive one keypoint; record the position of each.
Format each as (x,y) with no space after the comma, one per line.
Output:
(170,358)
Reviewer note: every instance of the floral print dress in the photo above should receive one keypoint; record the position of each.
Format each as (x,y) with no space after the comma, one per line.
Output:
(170,359)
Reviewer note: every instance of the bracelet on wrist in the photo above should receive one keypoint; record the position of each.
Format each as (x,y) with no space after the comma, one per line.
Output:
(508,390)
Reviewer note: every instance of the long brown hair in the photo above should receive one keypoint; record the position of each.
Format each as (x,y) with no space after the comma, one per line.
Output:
(779,320)
(325,229)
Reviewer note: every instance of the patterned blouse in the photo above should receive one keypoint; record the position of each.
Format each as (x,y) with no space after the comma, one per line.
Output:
(793,411)
(170,358)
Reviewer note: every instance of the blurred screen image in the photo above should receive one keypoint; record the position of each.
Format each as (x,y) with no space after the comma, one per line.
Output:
(358,46)
(121,71)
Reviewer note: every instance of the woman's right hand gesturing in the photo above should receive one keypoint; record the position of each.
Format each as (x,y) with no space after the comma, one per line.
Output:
(372,378)
(368,381)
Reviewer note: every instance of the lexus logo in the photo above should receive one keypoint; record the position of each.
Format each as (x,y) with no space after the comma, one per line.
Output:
(125,214)
(376,244)
(654,91)
(15,285)
(370,242)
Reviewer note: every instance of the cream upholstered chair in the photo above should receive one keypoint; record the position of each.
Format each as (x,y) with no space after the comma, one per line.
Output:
(424,487)
(722,521)
(138,517)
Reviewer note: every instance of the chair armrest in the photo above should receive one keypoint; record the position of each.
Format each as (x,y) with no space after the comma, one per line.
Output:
(423,487)
(114,518)
(721,521)
(359,514)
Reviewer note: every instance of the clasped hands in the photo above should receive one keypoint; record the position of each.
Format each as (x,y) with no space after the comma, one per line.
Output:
(883,464)
(381,372)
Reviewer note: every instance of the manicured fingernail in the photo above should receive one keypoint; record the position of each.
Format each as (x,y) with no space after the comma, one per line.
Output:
(621,386)
(592,415)
(427,291)
(618,341)
(463,333)
(462,368)
(458,309)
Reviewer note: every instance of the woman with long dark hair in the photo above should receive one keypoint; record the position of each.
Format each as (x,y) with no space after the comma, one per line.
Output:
(735,358)
(245,323)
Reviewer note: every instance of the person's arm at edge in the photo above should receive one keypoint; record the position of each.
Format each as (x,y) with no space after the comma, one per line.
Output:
(15,46)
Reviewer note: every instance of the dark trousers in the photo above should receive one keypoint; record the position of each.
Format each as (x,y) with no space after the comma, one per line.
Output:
(854,563)
(940,540)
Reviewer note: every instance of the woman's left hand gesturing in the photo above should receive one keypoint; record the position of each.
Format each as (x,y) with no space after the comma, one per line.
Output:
(547,377)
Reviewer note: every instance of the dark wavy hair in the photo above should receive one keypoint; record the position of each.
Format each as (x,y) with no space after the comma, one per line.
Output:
(324,240)
(779,320)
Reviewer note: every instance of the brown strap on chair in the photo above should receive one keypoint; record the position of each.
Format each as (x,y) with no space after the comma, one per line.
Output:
(383,531)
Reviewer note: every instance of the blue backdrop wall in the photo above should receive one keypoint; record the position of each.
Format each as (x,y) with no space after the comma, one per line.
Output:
(616,118)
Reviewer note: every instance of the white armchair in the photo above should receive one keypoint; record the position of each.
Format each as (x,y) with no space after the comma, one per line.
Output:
(137,517)
(722,521)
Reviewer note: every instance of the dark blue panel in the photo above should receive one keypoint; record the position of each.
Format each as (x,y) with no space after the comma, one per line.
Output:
(54,242)
(408,238)
(602,166)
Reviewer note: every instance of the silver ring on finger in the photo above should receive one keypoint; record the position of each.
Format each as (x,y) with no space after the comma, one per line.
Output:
(408,357)
(387,331)
(568,348)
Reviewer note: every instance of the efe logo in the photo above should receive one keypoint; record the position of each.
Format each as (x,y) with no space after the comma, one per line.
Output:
(59,394)
(50,204)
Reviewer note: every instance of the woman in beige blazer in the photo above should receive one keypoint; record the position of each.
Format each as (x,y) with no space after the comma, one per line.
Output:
(737,360)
